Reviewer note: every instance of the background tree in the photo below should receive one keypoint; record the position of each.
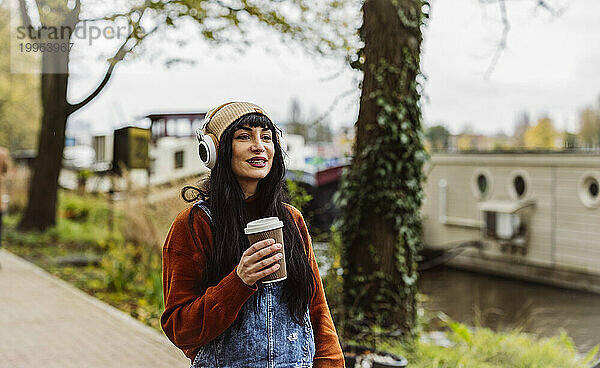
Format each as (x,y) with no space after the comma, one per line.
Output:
(295,124)
(522,123)
(19,99)
(381,194)
(589,127)
(218,21)
(438,136)
(542,135)
(314,129)
(465,142)
(319,131)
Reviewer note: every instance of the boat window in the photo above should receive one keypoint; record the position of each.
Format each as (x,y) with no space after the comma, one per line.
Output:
(519,184)
(593,188)
(589,189)
(178,159)
(482,183)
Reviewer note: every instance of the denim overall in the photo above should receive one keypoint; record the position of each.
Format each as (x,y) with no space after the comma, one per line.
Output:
(267,339)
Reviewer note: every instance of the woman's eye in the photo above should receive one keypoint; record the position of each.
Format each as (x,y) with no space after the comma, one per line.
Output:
(267,138)
(243,136)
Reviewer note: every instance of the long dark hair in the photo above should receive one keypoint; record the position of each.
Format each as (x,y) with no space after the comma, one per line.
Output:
(229,217)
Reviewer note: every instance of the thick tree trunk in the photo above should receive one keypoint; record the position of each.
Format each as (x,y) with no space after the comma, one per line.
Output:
(380,265)
(385,38)
(43,188)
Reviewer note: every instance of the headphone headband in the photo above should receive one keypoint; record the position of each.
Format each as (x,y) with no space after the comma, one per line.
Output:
(212,113)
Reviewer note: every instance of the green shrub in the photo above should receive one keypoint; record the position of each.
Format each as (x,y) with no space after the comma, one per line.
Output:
(82,223)
(153,287)
(299,197)
(483,348)
(82,208)
(120,267)
(332,280)
(74,208)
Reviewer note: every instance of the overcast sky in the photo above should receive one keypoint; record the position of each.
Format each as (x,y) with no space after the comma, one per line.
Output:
(551,66)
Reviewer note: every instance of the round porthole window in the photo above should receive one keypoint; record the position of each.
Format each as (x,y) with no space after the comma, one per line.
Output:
(589,188)
(518,184)
(481,184)
(593,187)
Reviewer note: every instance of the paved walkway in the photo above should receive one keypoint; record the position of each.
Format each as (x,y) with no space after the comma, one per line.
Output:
(45,322)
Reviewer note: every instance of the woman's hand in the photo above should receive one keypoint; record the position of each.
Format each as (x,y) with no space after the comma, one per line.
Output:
(253,267)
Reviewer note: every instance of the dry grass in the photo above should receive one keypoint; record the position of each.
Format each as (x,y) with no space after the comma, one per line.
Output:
(147,216)
(17,186)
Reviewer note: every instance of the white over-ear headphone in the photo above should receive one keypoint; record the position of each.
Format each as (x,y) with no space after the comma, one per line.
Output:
(207,143)
(207,147)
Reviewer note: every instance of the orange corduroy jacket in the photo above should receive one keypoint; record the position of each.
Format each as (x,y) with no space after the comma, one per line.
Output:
(192,318)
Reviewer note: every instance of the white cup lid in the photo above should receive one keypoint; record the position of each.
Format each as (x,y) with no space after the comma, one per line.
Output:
(263,224)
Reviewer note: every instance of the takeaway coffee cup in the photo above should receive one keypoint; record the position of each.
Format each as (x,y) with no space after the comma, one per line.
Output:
(269,228)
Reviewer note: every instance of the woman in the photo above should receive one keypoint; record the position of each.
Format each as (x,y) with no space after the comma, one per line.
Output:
(5,165)
(216,309)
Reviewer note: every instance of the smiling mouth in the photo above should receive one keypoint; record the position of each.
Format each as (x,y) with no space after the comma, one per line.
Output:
(257,162)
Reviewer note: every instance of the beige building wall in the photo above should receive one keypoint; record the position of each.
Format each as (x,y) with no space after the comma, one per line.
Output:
(577,226)
(563,232)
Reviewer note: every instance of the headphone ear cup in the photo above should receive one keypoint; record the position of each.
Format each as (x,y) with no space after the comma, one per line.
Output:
(282,142)
(207,150)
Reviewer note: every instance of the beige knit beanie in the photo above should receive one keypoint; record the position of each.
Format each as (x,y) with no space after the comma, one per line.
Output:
(218,119)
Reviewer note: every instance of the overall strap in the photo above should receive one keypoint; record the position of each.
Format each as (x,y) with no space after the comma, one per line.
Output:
(204,207)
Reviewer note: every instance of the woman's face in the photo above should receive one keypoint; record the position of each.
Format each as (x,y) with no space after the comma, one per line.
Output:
(252,152)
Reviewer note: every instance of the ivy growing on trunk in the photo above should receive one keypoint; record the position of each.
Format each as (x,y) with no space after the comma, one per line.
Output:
(381,193)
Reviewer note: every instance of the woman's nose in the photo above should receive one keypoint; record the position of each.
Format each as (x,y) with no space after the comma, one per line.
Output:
(258,146)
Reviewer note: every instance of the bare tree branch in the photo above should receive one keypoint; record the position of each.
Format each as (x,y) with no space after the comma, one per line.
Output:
(335,102)
(503,39)
(113,17)
(77,8)
(555,12)
(118,56)
(229,7)
(25,18)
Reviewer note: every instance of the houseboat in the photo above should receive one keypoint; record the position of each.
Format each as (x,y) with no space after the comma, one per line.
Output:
(527,215)
(172,150)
